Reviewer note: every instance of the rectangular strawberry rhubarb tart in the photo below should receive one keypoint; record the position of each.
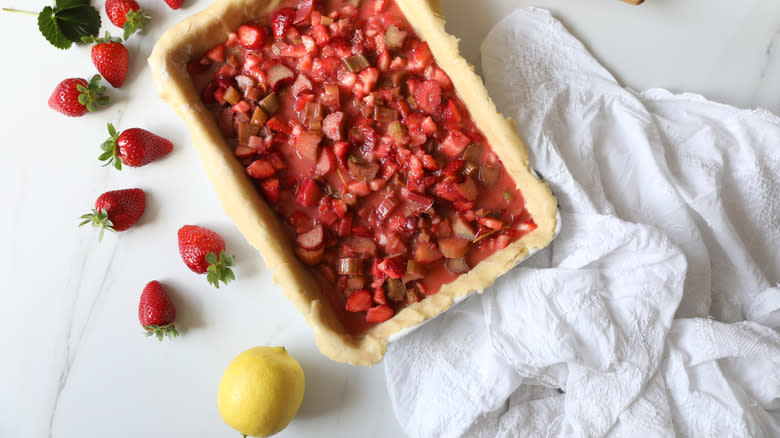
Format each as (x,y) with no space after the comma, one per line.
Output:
(354,147)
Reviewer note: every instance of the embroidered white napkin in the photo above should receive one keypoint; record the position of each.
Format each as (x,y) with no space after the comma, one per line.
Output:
(656,309)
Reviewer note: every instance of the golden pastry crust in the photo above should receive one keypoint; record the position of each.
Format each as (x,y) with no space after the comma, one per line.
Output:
(260,225)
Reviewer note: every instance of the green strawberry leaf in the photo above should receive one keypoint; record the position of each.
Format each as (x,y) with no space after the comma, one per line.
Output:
(47,24)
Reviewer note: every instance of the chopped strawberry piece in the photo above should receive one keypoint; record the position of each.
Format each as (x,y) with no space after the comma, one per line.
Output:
(380,313)
(421,58)
(454,144)
(276,123)
(359,301)
(386,207)
(270,188)
(341,148)
(380,296)
(320,34)
(216,54)
(332,126)
(392,268)
(308,193)
(302,83)
(281,21)
(526,227)
(260,169)
(428,97)
(452,113)
(489,222)
(307,144)
(326,214)
(252,36)
(359,188)
(304,11)
(312,239)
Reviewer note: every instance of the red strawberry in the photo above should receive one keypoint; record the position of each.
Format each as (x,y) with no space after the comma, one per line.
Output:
(359,301)
(156,312)
(204,251)
(111,58)
(174,4)
(282,20)
(116,210)
(134,147)
(127,15)
(74,97)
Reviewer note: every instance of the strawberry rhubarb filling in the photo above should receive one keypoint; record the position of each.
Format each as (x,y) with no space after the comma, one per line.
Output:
(358,141)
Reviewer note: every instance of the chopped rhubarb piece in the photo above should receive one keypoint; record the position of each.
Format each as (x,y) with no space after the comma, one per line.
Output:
(351,266)
(358,245)
(281,21)
(468,189)
(380,313)
(259,117)
(454,144)
(363,172)
(279,75)
(356,63)
(386,207)
(457,266)
(231,96)
(428,97)
(308,193)
(414,271)
(453,247)
(331,96)
(307,144)
(252,36)
(327,162)
(359,301)
(345,227)
(244,152)
(312,239)
(310,257)
(276,123)
(462,228)
(270,103)
(394,37)
(426,252)
(396,289)
(332,125)
(473,153)
(260,169)
(356,282)
(270,189)
(489,174)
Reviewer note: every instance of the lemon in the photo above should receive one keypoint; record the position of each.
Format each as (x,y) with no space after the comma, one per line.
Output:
(261,391)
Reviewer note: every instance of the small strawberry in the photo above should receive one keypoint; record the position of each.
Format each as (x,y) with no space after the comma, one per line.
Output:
(134,147)
(127,15)
(74,97)
(110,57)
(156,312)
(174,4)
(116,210)
(204,251)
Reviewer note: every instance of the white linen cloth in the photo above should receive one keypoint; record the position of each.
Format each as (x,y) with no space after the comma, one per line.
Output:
(656,310)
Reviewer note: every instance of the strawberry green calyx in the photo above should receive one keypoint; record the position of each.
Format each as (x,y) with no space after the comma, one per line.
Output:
(106,39)
(135,22)
(110,153)
(219,269)
(93,94)
(98,219)
(162,331)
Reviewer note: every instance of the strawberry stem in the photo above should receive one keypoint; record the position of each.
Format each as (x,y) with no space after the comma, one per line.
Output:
(161,331)
(98,219)
(110,153)
(219,269)
(19,11)
(93,94)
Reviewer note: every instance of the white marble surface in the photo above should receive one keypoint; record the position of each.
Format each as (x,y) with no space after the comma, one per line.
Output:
(74,362)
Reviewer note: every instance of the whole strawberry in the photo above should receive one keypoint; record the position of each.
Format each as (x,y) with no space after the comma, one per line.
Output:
(116,210)
(204,251)
(156,312)
(134,147)
(111,58)
(74,97)
(126,15)
(174,4)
